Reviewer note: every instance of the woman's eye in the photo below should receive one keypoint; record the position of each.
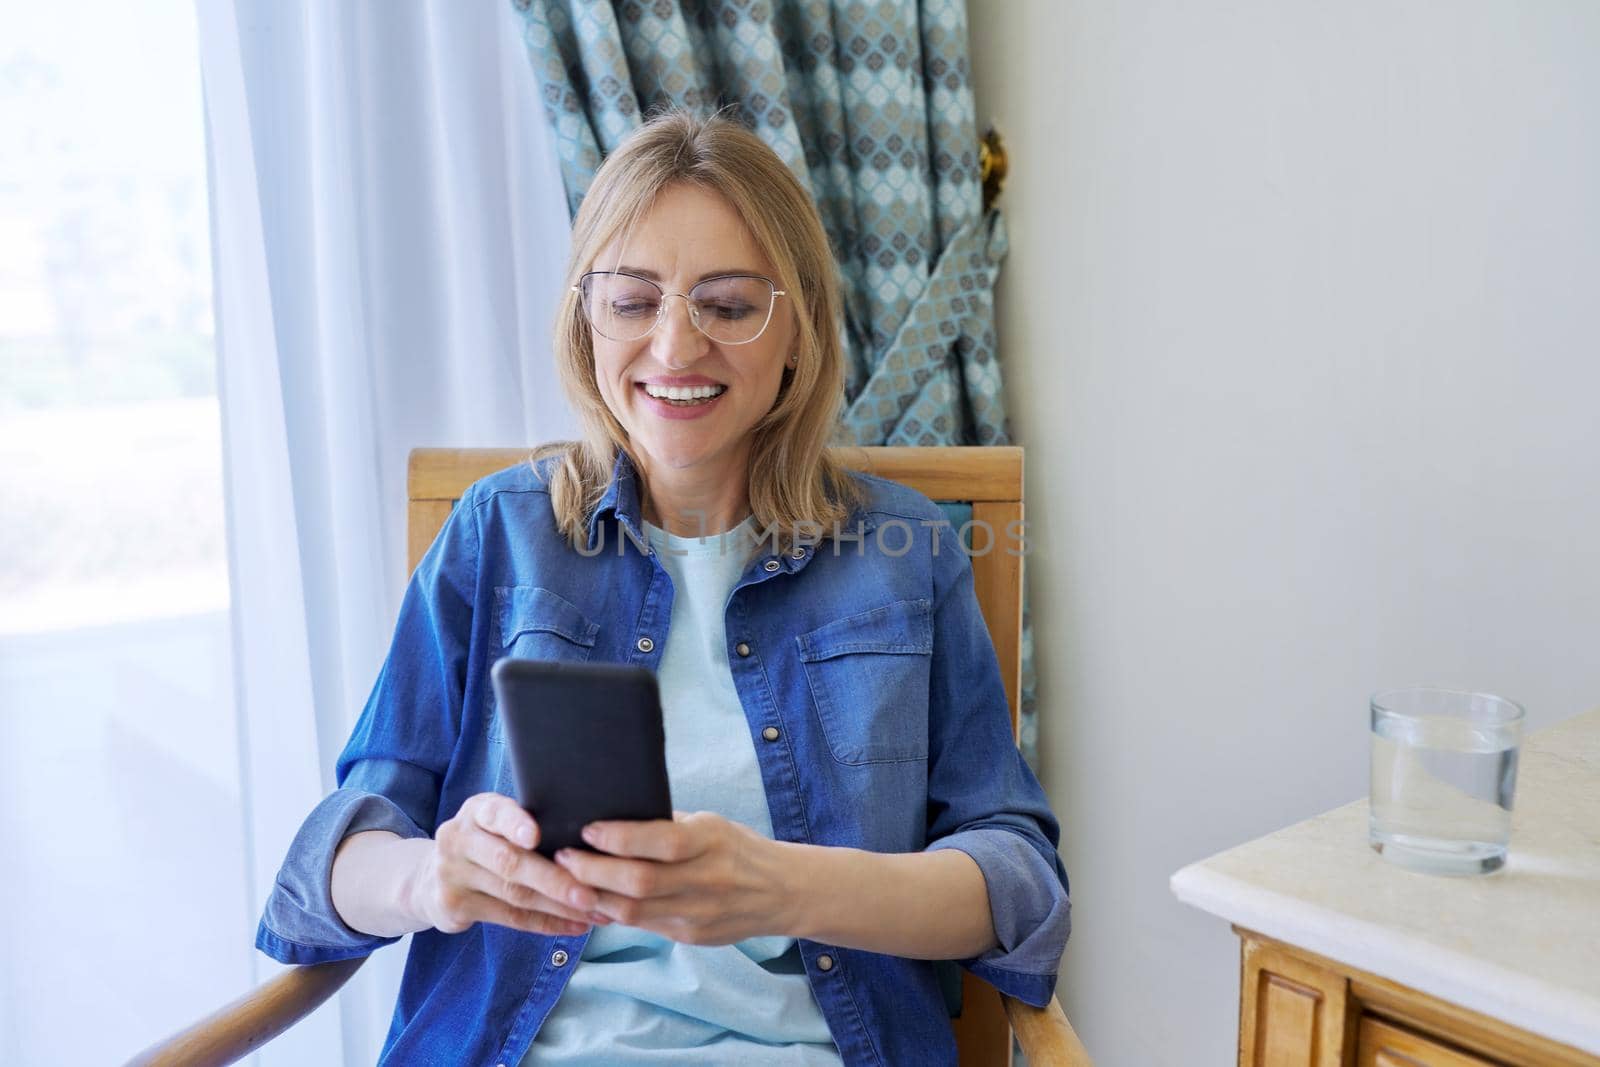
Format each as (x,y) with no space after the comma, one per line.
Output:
(632,308)
(726,310)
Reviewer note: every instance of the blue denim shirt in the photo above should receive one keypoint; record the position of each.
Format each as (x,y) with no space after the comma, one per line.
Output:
(870,658)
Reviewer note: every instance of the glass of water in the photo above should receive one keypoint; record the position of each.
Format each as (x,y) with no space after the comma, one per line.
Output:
(1444,769)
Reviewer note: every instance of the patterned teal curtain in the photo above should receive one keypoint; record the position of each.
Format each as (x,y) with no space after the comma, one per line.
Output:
(870,103)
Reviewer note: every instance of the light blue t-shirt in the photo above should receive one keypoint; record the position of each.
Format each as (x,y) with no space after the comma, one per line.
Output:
(640,998)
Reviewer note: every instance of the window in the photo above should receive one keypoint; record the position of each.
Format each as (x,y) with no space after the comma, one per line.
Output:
(125,912)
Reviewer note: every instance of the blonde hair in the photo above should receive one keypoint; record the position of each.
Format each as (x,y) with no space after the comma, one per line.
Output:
(796,490)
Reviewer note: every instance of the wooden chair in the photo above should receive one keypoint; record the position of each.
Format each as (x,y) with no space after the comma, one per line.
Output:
(989,478)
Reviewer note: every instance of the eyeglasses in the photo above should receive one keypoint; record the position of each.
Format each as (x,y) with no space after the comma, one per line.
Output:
(733,309)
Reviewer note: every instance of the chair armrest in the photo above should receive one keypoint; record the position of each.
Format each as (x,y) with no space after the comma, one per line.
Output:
(233,1032)
(1046,1037)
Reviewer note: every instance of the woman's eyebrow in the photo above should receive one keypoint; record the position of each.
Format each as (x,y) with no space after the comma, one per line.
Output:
(653,276)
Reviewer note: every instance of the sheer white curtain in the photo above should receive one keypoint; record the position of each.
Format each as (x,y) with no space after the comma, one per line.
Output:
(389,233)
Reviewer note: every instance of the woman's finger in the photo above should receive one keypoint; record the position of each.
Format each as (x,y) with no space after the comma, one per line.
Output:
(656,839)
(494,910)
(684,917)
(480,880)
(639,879)
(506,861)
(499,814)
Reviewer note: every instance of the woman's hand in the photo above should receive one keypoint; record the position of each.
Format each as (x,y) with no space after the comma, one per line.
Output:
(699,879)
(481,868)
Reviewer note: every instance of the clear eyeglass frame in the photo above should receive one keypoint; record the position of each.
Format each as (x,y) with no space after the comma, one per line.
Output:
(661,308)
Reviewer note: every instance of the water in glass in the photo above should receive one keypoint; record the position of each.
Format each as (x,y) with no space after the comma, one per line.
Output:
(1442,788)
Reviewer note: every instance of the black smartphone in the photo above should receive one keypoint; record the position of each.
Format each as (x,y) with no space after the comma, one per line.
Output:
(586,742)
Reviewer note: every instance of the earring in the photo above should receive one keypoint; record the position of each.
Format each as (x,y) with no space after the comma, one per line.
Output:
(794,359)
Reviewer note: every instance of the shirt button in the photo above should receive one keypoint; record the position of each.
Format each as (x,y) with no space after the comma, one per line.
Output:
(559,958)
(742,648)
(770,733)
(644,644)
(771,565)
(824,963)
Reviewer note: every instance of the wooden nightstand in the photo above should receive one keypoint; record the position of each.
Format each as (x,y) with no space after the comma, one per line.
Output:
(1348,961)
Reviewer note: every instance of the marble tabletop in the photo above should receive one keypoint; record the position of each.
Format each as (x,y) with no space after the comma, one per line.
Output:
(1521,945)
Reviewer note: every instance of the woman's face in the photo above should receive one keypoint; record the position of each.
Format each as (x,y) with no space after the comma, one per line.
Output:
(689,235)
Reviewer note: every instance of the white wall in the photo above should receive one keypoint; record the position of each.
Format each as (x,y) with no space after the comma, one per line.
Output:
(1302,331)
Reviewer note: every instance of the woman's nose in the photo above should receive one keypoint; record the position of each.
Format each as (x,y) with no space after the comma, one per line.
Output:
(676,341)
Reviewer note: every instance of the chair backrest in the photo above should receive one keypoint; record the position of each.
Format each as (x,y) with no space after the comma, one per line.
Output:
(989,478)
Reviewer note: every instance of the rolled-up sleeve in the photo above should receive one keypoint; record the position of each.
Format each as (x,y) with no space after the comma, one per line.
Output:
(984,800)
(390,772)
(300,924)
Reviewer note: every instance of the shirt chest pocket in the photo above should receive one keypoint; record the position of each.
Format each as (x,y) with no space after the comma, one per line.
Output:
(868,675)
(538,624)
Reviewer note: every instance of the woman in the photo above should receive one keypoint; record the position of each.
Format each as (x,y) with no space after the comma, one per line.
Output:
(836,725)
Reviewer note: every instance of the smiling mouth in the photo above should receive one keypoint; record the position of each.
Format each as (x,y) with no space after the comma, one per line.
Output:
(683,396)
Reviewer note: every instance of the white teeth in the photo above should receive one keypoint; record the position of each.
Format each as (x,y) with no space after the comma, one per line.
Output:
(678,392)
